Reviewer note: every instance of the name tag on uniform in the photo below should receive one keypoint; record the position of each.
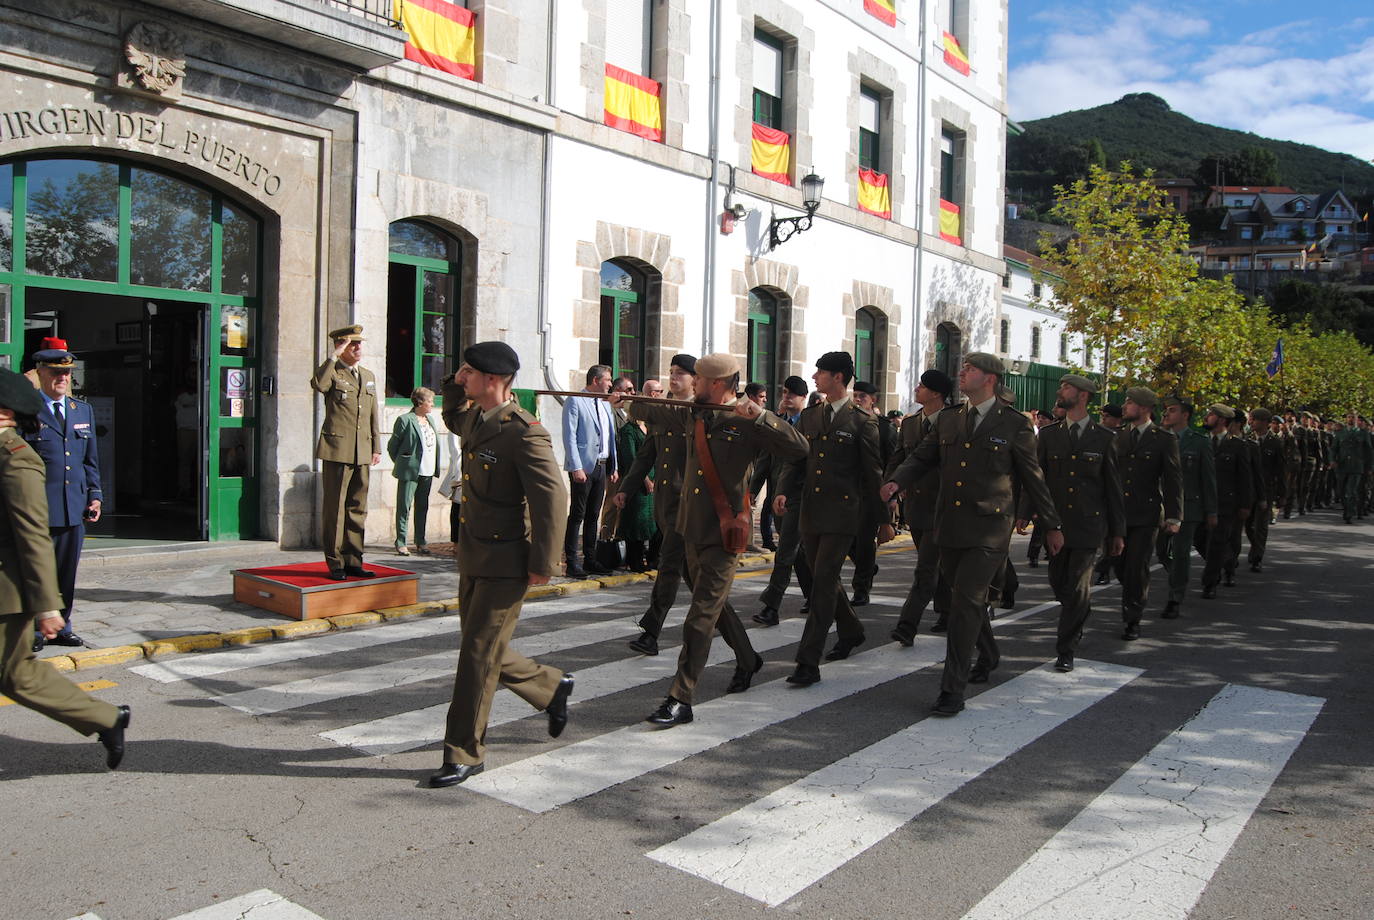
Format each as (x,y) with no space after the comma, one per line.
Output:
(371,385)
(486,456)
(843,435)
(997,440)
(1091,455)
(730,431)
(81,424)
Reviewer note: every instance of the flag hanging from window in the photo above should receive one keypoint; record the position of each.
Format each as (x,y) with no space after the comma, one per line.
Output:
(1276,361)
(954,54)
(873,194)
(950,231)
(886,10)
(632,103)
(771,153)
(442,35)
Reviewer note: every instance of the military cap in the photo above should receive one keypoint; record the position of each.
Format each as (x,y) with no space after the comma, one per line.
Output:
(717,366)
(863,386)
(1005,393)
(988,364)
(492,358)
(353,333)
(18,394)
(1224,411)
(796,386)
(1261,415)
(836,362)
(687,362)
(1079,382)
(1112,409)
(938,381)
(894,413)
(54,353)
(1142,396)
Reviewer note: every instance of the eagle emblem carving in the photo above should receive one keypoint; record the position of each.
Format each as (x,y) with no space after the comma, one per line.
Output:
(154,52)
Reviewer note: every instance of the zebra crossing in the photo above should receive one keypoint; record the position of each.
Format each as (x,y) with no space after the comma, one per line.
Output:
(1164,826)
(263,904)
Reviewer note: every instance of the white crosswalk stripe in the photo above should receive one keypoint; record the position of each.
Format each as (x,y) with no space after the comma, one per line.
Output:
(262,904)
(791,839)
(1147,847)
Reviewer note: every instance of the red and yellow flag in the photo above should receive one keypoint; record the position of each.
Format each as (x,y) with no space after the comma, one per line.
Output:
(442,35)
(873,194)
(886,10)
(950,229)
(771,153)
(632,103)
(954,54)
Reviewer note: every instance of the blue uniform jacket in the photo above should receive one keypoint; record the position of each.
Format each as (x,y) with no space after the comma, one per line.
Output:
(69,454)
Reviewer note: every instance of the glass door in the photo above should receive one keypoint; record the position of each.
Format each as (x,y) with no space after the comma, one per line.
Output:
(232,422)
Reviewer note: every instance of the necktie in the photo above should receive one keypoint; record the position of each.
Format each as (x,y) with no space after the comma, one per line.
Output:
(58,413)
(829,413)
(1135,437)
(972,420)
(925,426)
(1073,434)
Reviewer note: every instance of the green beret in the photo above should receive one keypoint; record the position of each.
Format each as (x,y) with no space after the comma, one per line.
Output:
(492,358)
(353,333)
(988,364)
(1143,397)
(1078,381)
(18,394)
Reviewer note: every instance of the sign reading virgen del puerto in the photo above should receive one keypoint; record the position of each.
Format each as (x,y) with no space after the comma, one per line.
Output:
(137,129)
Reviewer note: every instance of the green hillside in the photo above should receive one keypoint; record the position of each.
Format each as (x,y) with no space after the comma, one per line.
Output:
(1141,127)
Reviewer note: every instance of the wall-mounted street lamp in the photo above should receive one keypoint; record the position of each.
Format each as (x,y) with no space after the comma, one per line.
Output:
(781,229)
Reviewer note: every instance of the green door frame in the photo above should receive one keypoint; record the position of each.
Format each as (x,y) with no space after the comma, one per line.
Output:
(423,264)
(763,364)
(617,297)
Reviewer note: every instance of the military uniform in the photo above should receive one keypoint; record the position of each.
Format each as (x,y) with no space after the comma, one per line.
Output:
(1292,470)
(919,508)
(1349,450)
(864,551)
(789,557)
(1235,496)
(350,436)
(733,442)
(1199,473)
(513,514)
(1152,487)
(1266,462)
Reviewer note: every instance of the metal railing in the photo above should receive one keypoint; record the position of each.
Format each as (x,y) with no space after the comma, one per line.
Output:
(382,12)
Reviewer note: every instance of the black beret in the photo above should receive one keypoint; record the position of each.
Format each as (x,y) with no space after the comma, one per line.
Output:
(1112,409)
(18,394)
(687,362)
(796,386)
(836,362)
(938,381)
(863,386)
(492,358)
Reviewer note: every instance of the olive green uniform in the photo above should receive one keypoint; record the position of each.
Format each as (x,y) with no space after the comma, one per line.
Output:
(1199,472)
(1152,488)
(350,436)
(1235,493)
(1349,450)
(28,587)
(513,515)
(919,509)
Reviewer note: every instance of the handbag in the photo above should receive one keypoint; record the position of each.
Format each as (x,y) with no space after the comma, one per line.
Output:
(735,526)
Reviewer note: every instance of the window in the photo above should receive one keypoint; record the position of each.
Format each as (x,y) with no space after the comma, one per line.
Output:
(1035,289)
(763,341)
(1006,280)
(869,345)
(1035,343)
(1247,233)
(951,186)
(870,130)
(1004,343)
(767,81)
(949,351)
(623,314)
(421,307)
(629,35)
(1063,348)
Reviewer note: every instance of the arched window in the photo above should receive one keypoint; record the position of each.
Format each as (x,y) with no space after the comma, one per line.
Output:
(1035,343)
(763,341)
(623,336)
(868,350)
(949,350)
(1005,339)
(421,306)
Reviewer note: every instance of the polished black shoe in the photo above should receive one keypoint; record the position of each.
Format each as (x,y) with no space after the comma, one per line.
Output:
(1170,611)
(113,739)
(903,638)
(1230,581)
(357,571)
(1209,593)
(39,643)
(947,704)
(1131,632)
(941,625)
(1256,567)
(804,676)
(574,571)
(1063,664)
(451,774)
(805,607)
(981,671)
(646,644)
(744,676)
(843,647)
(671,712)
(337,575)
(595,568)
(557,710)
(1008,602)
(860,599)
(1102,579)
(69,640)
(768,616)
(1033,562)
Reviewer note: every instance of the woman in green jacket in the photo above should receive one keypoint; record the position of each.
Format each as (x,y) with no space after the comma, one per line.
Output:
(637,524)
(414,451)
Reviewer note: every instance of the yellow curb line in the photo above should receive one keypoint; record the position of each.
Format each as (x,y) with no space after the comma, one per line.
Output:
(87,685)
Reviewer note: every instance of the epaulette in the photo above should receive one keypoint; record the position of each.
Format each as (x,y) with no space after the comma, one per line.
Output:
(519,412)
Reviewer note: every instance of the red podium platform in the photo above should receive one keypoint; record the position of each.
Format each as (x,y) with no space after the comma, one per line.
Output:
(306,592)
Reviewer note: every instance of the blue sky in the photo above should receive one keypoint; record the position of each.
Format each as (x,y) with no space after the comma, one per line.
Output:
(1294,71)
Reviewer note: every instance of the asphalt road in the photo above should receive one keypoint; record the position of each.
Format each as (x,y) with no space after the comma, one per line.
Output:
(1220,767)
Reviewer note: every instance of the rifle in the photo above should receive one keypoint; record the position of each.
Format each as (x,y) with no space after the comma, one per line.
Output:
(652,400)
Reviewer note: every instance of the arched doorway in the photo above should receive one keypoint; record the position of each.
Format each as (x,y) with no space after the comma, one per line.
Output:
(765,311)
(154,281)
(949,350)
(422,310)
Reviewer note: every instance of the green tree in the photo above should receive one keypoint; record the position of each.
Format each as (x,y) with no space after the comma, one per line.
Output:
(1096,155)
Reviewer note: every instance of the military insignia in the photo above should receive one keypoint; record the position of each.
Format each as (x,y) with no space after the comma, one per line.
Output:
(81,425)
(730,431)
(843,435)
(486,456)
(371,385)
(1091,455)
(997,440)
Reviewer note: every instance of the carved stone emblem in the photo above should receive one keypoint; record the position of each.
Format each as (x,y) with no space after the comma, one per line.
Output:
(155,53)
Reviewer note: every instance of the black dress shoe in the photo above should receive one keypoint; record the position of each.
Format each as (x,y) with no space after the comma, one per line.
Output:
(806,607)
(1131,632)
(941,625)
(671,712)
(768,616)
(1256,567)
(843,647)
(1064,663)
(1102,579)
(646,644)
(903,637)
(451,774)
(1008,602)
(1170,611)
(860,599)
(947,704)
(597,569)
(70,640)
(744,676)
(804,676)
(337,575)
(980,671)
(1209,593)
(1230,581)
(1033,562)
(557,710)
(39,643)
(357,571)
(113,739)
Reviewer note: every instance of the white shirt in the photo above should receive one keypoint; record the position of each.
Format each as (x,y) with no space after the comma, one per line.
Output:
(604,429)
(429,444)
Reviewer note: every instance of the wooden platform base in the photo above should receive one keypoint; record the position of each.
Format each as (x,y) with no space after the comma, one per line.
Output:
(305,592)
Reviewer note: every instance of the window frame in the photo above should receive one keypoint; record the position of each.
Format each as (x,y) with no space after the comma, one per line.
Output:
(420,265)
(638,295)
(762,367)
(768,109)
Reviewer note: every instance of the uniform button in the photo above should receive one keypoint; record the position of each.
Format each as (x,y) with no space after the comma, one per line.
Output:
(469,455)
(467,476)
(963,463)
(818,470)
(1073,456)
(486,466)
(69,453)
(462,520)
(1072,473)
(846,498)
(69,469)
(967,444)
(1070,507)
(695,491)
(821,454)
(818,488)
(665,450)
(960,484)
(957,503)
(496,536)
(1071,488)
(1127,494)
(825,437)
(700,473)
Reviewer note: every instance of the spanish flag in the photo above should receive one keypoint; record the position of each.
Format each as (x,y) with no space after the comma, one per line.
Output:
(632,103)
(886,10)
(442,35)
(954,55)
(770,154)
(950,229)
(873,194)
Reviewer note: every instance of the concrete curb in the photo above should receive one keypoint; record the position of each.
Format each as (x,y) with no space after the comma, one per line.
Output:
(296,629)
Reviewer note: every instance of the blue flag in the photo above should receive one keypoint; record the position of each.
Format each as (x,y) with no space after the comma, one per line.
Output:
(1276,360)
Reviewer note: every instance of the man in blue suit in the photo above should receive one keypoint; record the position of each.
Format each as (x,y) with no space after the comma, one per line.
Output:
(66,441)
(590,460)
